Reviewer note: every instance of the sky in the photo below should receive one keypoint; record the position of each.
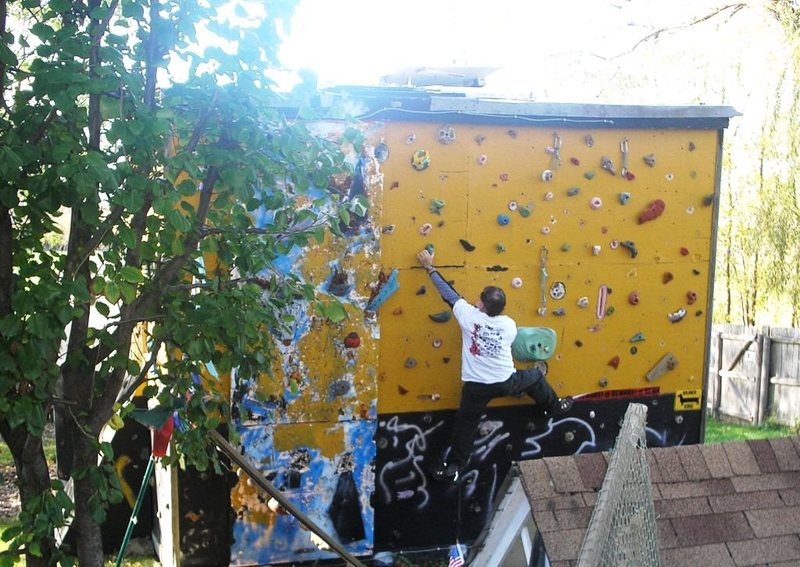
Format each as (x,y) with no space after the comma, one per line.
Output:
(532,42)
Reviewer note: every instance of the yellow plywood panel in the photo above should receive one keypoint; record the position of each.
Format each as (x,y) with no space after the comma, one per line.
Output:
(586,247)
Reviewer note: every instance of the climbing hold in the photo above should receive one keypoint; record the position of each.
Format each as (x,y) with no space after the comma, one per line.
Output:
(637,338)
(614,362)
(603,382)
(610,311)
(708,200)
(596,250)
(624,197)
(482,159)
(525,211)
(548,196)
(503,220)
(588,140)
(669,176)
(384,291)
(629,175)
(547,175)
(602,298)
(339,284)
(388,229)
(572,191)
(496,268)
(421,160)
(560,312)
(410,362)
(566,247)
(691,297)
(558,290)
(422,290)
(654,210)
(579,344)
(446,135)
(667,363)
(381,152)
(512,205)
(436,206)
(684,251)
(500,247)
(695,271)
(441,317)
(504,177)
(691,146)
(614,244)
(607,164)
(398,311)
(432,397)
(667,277)
(545,230)
(583,302)
(352,340)
(589,175)
(650,159)
(534,343)
(574,161)
(395,185)
(630,246)
(402,391)
(426,229)
(466,245)
(634,350)
(410,139)
(446,359)
(512,133)
(479,139)
(690,210)
(633,298)
(437,343)
(677,315)
(429,247)
(595,203)
(516,283)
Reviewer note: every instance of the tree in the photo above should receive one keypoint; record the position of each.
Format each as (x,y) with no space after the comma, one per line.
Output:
(155,178)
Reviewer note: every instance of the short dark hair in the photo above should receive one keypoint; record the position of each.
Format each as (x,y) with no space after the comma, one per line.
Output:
(494,300)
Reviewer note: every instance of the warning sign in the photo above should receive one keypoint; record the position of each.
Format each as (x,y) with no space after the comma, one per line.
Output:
(688,400)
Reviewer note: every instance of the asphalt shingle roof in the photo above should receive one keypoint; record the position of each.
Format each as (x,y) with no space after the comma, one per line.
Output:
(731,504)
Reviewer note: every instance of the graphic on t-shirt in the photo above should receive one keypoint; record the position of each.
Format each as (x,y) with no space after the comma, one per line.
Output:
(485,341)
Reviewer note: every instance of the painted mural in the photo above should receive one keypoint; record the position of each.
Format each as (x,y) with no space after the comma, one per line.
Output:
(604,235)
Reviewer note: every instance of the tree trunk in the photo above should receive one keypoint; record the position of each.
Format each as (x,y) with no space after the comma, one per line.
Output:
(87,531)
(33,478)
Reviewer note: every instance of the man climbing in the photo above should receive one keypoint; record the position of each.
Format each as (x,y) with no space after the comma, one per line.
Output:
(487,366)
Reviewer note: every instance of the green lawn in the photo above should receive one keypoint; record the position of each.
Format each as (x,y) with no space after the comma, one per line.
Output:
(719,432)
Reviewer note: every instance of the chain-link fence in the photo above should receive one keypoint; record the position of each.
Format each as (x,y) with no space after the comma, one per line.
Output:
(622,530)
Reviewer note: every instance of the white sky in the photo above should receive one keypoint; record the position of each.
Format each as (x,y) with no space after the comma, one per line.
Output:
(533,41)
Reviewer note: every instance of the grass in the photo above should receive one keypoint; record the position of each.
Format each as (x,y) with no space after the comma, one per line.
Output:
(721,432)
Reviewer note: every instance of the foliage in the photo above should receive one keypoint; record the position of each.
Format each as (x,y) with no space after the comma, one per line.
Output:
(120,184)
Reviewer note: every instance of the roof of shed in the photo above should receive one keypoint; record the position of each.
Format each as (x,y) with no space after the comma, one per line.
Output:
(721,504)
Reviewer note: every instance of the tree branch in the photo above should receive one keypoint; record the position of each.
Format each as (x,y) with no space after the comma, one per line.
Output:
(6,260)
(656,34)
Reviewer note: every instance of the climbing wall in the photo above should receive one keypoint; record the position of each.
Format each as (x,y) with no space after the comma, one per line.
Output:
(603,235)
(308,421)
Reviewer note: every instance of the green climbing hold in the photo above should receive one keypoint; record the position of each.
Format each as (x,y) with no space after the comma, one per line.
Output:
(436,206)
(441,317)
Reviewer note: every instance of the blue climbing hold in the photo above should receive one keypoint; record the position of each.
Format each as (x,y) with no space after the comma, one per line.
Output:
(503,220)
(389,287)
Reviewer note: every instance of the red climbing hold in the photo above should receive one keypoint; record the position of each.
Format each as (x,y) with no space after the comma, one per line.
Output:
(653,211)
(352,340)
(614,362)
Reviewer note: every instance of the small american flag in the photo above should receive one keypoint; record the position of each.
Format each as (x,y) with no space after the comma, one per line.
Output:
(456,556)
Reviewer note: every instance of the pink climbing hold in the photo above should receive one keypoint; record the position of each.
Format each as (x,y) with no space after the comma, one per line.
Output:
(653,211)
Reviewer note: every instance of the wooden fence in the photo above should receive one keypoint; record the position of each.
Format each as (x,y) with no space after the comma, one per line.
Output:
(754,374)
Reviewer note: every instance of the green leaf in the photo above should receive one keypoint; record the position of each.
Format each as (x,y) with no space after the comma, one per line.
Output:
(127,291)
(131,275)
(334,311)
(102,308)
(7,56)
(112,292)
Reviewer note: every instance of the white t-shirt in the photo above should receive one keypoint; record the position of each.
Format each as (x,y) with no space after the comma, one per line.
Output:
(485,344)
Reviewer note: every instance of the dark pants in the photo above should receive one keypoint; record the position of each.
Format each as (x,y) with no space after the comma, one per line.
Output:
(476,396)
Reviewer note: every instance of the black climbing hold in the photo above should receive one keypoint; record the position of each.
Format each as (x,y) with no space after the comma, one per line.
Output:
(467,246)
(422,290)
(496,268)
(441,317)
